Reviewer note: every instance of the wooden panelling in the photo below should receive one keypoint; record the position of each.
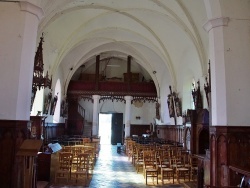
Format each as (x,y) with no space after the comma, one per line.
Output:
(53,131)
(138,129)
(89,77)
(43,166)
(134,77)
(36,126)
(230,145)
(171,133)
(12,135)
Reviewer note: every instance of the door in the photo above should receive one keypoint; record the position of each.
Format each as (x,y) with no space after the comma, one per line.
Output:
(117,128)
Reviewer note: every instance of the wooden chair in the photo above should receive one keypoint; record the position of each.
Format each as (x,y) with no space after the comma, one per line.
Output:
(64,170)
(67,149)
(92,158)
(182,170)
(193,161)
(130,149)
(82,168)
(139,159)
(150,166)
(76,150)
(166,170)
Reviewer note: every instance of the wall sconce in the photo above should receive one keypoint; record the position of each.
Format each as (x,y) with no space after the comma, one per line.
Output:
(138,117)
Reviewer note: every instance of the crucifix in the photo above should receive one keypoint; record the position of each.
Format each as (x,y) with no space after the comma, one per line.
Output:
(171,105)
(207,85)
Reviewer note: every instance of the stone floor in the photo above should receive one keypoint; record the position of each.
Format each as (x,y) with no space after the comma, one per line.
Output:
(113,170)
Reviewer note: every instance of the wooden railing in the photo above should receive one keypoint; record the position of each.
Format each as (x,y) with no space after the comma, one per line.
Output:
(139,88)
(81,111)
(243,173)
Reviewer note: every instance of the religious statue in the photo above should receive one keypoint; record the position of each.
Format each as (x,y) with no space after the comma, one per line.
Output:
(47,103)
(171,106)
(157,108)
(53,105)
(197,98)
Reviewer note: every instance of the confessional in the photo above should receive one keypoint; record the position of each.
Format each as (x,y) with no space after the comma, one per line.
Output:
(197,138)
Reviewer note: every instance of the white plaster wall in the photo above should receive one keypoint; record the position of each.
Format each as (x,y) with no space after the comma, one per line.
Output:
(88,106)
(229,52)
(146,112)
(57,87)
(17,50)
(38,102)
(237,55)
(237,66)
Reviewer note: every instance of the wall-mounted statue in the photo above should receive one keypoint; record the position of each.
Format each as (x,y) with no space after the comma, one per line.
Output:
(64,108)
(197,98)
(171,106)
(53,104)
(207,85)
(47,103)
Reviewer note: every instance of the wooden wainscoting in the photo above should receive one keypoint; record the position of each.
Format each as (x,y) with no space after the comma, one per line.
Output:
(229,146)
(171,133)
(139,129)
(12,135)
(53,131)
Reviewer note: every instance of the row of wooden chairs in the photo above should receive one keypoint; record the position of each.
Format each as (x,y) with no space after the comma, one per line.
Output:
(74,170)
(164,160)
(76,162)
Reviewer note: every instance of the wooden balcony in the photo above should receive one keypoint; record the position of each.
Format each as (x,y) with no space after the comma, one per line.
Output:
(139,89)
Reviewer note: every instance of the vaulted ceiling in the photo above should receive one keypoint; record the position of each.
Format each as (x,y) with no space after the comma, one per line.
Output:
(161,35)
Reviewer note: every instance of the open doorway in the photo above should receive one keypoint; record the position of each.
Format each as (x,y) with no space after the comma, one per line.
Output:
(111,128)
(105,128)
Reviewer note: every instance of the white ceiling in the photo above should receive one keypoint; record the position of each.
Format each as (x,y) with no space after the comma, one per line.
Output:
(160,35)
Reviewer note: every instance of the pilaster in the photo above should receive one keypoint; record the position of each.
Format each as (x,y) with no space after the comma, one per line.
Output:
(95,115)
(128,115)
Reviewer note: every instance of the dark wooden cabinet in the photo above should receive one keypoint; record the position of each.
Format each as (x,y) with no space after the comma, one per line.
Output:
(36,129)
(43,166)
(138,129)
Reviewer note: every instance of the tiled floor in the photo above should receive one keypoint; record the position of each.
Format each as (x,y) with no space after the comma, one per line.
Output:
(113,170)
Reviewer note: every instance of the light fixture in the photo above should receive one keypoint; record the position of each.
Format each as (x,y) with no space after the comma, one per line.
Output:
(113,65)
(38,80)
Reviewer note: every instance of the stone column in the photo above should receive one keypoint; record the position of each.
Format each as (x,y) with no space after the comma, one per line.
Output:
(228,54)
(218,75)
(18,36)
(128,115)
(95,115)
